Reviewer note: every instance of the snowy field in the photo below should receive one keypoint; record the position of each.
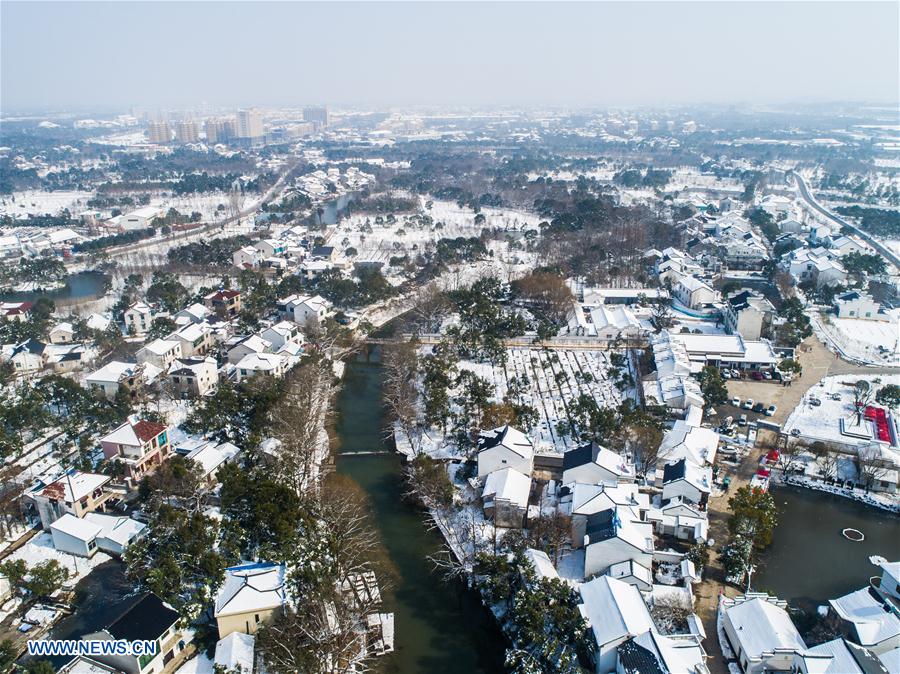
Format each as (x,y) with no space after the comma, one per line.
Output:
(410,235)
(40,549)
(36,202)
(553,384)
(823,422)
(876,342)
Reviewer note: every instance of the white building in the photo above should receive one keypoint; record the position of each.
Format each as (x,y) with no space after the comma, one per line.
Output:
(505,497)
(694,293)
(138,318)
(594,464)
(748,314)
(616,535)
(272,364)
(247,346)
(141,218)
(504,447)
(687,480)
(282,333)
(857,304)
(160,352)
(61,333)
(194,376)
(304,309)
(615,612)
(247,257)
(116,375)
(761,633)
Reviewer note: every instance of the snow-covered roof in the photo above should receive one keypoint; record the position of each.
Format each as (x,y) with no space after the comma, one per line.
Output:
(134,432)
(541,563)
(762,626)
(508,484)
(83,530)
(261,362)
(255,343)
(112,372)
(119,529)
(696,444)
(160,347)
(681,653)
(251,587)
(235,652)
(507,437)
(613,609)
(210,455)
(74,485)
(872,621)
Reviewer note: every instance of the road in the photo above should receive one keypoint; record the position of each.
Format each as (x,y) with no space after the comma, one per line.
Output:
(877,245)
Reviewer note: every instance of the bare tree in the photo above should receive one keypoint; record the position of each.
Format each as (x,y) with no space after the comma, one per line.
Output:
(401,369)
(871,465)
(670,614)
(788,456)
(552,534)
(644,442)
(299,424)
(431,305)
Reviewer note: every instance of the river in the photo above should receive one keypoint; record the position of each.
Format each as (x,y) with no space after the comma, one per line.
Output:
(809,560)
(80,287)
(438,629)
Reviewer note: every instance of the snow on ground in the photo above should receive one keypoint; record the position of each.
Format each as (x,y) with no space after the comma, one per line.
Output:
(876,342)
(37,202)
(199,664)
(822,422)
(411,233)
(554,380)
(40,549)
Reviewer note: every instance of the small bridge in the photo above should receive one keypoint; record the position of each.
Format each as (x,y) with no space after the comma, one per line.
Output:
(561,343)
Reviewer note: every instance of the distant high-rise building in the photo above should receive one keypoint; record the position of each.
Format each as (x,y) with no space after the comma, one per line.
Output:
(159,133)
(219,130)
(316,115)
(186,132)
(250,126)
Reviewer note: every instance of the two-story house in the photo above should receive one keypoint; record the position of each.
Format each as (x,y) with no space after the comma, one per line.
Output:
(138,318)
(225,303)
(73,492)
(140,444)
(149,619)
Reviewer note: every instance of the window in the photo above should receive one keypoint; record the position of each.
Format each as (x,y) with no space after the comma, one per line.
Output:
(256,617)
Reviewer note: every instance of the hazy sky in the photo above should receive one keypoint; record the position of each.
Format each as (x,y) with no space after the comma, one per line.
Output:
(168,54)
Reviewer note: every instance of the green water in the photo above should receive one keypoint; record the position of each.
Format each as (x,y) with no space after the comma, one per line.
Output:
(439,630)
(809,560)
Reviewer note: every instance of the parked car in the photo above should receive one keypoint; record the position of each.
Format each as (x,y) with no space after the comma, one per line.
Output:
(742,420)
(736,401)
(756,376)
(795,432)
(748,404)
(835,396)
(815,402)
(767,376)
(726,374)
(771,410)
(759,408)
(735,374)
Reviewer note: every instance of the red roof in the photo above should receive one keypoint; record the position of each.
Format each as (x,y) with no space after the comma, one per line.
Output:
(223,295)
(147,430)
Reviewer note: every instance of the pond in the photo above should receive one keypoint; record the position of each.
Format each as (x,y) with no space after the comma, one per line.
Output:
(81,287)
(810,561)
(438,629)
